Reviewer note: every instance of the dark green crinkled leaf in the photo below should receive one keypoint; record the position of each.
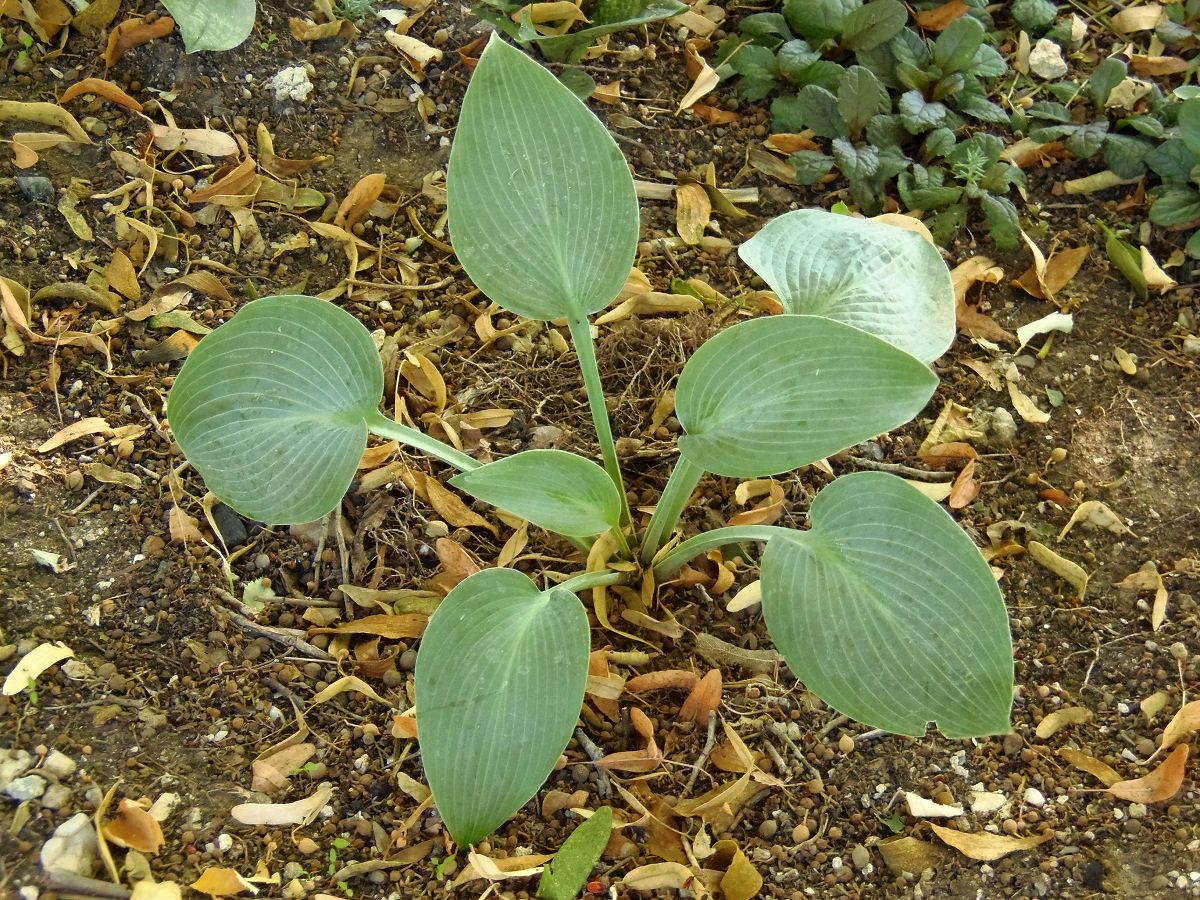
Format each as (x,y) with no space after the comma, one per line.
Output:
(919,116)
(972,101)
(1126,155)
(1034,15)
(1174,205)
(1189,125)
(860,96)
(1086,140)
(873,24)
(887,132)
(938,143)
(818,20)
(1004,225)
(988,63)
(948,223)
(1172,161)
(811,165)
(1106,76)
(955,48)
(1147,125)
(817,108)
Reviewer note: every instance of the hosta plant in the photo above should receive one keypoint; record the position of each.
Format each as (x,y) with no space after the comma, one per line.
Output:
(883,606)
(212,24)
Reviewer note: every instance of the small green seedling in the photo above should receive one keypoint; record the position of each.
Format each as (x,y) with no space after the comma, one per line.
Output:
(883,607)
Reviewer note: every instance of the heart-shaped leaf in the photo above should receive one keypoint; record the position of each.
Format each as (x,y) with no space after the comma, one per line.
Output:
(553,489)
(543,213)
(272,407)
(500,679)
(888,612)
(772,394)
(213,24)
(882,279)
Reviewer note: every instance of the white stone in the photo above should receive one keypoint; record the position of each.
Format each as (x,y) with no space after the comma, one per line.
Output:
(59,764)
(1034,797)
(1046,60)
(291,83)
(922,808)
(72,847)
(12,764)
(28,787)
(987,801)
(1137,810)
(56,797)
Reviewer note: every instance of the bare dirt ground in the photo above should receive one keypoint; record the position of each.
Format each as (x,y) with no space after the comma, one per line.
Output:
(179,680)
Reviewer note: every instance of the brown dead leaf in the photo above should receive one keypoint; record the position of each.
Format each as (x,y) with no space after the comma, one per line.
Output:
(984,846)
(1091,765)
(939,17)
(970,321)
(1096,513)
(184,529)
(646,760)
(658,876)
(712,115)
(122,277)
(741,880)
(1161,784)
(207,141)
(271,771)
(949,455)
(1060,566)
(359,200)
(705,698)
(666,680)
(450,506)
(344,684)
(608,93)
(704,77)
(790,143)
(85,427)
(133,33)
(1156,66)
(308,31)
(392,627)
(102,88)
(966,487)
(1183,723)
(693,208)
(457,564)
(218,881)
(134,829)
(1045,278)
(1060,718)
(1138,17)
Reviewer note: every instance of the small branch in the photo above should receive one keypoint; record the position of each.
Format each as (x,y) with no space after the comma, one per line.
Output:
(595,754)
(857,462)
(709,743)
(68,882)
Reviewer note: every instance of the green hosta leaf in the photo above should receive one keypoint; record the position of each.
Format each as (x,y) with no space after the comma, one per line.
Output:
(873,24)
(860,96)
(1189,125)
(1106,76)
(272,407)
(1004,225)
(818,20)
(811,165)
(543,214)
(500,678)
(955,48)
(566,874)
(553,489)
(882,279)
(888,612)
(1126,155)
(1174,205)
(769,395)
(625,14)
(212,24)
(919,116)
(817,109)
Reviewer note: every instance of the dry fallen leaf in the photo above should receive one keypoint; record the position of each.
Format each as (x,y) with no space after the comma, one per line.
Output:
(658,876)
(1161,784)
(705,698)
(133,33)
(134,828)
(348,683)
(1096,513)
(1060,718)
(923,808)
(221,882)
(693,208)
(1045,278)
(1063,568)
(299,812)
(984,846)
(33,664)
(939,17)
(101,88)
(73,432)
(704,77)
(1183,723)
(1147,578)
(1091,765)
(646,760)
(904,853)
(667,679)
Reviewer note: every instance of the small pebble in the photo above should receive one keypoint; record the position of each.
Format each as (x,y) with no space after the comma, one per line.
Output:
(1034,797)
(860,856)
(767,829)
(59,764)
(800,834)
(56,797)
(36,188)
(29,787)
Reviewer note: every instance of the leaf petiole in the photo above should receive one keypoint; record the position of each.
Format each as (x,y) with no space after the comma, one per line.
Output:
(381,425)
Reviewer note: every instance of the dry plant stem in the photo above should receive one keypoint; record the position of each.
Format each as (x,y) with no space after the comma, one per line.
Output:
(707,750)
(594,753)
(388,428)
(676,559)
(65,882)
(675,496)
(585,350)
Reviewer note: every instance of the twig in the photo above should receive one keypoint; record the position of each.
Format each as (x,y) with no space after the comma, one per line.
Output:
(63,881)
(857,462)
(432,286)
(780,731)
(832,724)
(595,754)
(290,638)
(704,753)
(84,502)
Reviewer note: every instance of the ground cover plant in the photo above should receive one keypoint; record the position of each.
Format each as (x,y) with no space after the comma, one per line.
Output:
(883,607)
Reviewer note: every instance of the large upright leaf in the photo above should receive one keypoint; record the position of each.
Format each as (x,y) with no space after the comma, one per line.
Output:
(888,612)
(543,213)
(874,24)
(772,394)
(553,489)
(272,407)
(500,678)
(212,24)
(880,278)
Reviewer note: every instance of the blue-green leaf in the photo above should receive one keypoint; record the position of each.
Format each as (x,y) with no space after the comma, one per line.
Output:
(212,24)
(888,612)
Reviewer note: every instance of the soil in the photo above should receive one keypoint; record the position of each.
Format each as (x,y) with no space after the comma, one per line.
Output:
(178,683)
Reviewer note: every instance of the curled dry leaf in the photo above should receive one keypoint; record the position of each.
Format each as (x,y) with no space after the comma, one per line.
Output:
(745,598)
(1088,763)
(1025,407)
(1157,66)
(693,208)
(658,876)
(704,699)
(1046,277)
(1161,784)
(480,866)
(134,829)
(646,760)
(765,513)
(348,683)
(949,455)
(221,882)
(1060,718)
(1182,724)
(133,33)
(393,627)
(299,812)
(667,679)
(270,772)
(201,140)
(704,77)
(904,853)
(33,664)
(965,488)
(73,432)
(45,114)
(986,847)
(102,88)
(1060,566)
(970,321)
(938,19)
(924,808)
(359,200)
(1096,513)
(741,880)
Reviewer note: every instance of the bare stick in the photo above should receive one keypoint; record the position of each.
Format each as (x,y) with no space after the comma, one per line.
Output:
(709,742)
